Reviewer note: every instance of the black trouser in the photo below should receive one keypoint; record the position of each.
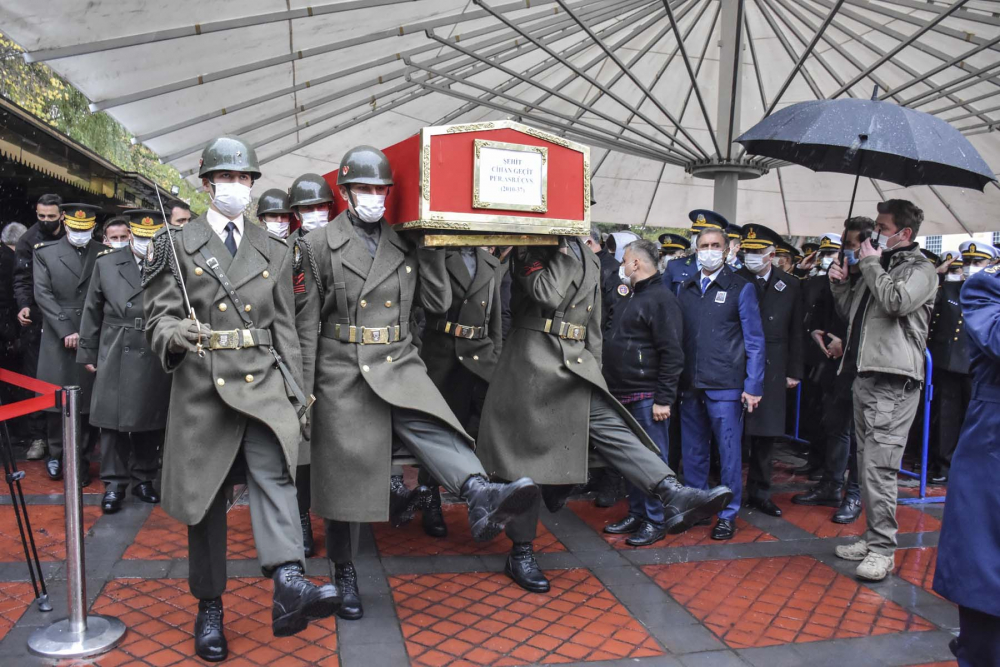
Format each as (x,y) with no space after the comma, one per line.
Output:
(468,412)
(303,488)
(88,435)
(978,638)
(952,393)
(129,457)
(841,444)
(759,469)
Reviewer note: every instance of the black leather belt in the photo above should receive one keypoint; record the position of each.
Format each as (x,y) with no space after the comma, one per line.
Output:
(458,330)
(134,323)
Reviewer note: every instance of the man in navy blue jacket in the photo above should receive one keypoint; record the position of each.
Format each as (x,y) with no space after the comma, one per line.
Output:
(680,270)
(723,369)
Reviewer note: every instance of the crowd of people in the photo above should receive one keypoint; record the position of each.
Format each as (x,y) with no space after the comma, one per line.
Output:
(312,355)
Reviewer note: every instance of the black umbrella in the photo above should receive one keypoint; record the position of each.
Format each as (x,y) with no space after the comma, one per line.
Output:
(869,138)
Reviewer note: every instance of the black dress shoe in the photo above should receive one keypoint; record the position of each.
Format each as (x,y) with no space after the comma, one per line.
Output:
(433,517)
(54,468)
(610,489)
(647,534)
(684,507)
(404,502)
(145,492)
(209,639)
(522,568)
(724,530)
(825,493)
(492,506)
(298,601)
(629,524)
(938,478)
(766,505)
(308,543)
(849,511)
(555,496)
(112,501)
(347,580)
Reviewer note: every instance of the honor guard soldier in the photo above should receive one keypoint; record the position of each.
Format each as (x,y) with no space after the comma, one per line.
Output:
(131,390)
(678,272)
(372,389)
(672,246)
(780,303)
(275,212)
(230,410)
(549,407)
(461,345)
(969,548)
(62,271)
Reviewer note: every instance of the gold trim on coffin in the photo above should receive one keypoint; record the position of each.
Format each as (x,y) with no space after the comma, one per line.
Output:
(466,240)
(541,150)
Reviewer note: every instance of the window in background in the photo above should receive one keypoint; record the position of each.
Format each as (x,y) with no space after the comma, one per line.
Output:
(933,244)
(996,238)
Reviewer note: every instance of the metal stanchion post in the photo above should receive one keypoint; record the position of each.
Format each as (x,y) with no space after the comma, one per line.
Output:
(78,635)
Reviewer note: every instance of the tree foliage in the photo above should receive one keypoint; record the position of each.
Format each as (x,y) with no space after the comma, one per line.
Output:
(44,94)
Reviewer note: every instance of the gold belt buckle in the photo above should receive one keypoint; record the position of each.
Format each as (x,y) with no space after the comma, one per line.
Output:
(374,336)
(464,331)
(574,332)
(225,340)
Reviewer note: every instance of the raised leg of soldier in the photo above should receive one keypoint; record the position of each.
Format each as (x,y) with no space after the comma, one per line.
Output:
(446,456)
(521,565)
(303,491)
(338,550)
(278,535)
(620,447)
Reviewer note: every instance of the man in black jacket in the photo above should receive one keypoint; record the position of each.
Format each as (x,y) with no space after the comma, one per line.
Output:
(642,364)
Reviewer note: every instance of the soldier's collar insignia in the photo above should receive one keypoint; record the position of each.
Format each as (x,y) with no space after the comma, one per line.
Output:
(623,290)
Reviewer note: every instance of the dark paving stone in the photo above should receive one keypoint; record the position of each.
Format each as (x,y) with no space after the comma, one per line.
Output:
(713,659)
(684,639)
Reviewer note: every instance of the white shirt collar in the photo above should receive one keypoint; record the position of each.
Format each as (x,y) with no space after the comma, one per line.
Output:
(766,276)
(218,223)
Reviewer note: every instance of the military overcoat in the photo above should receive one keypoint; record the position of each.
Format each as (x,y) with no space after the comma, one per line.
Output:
(475,302)
(536,419)
(212,397)
(300,256)
(356,386)
(131,390)
(62,277)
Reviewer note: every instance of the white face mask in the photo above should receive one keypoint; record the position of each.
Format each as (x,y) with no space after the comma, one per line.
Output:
(882,241)
(369,208)
(279,229)
(825,263)
(77,238)
(116,244)
(623,277)
(755,262)
(710,260)
(231,199)
(313,219)
(954,277)
(140,246)
(969,270)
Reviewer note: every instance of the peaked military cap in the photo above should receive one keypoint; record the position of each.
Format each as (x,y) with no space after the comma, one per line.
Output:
(948,256)
(977,250)
(810,247)
(144,222)
(758,237)
(931,256)
(785,248)
(80,217)
(670,242)
(734,232)
(829,242)
(702,218)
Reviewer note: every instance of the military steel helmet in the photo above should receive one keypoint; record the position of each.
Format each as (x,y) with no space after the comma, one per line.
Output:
(228,154)
(274,200)
(309,189)
(365,164)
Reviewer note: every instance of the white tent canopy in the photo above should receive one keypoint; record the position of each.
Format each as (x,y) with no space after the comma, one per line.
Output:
(305,83)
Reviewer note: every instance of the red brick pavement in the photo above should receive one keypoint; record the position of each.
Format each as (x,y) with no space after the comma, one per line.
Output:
(48,523)
(770,601)
(36,480)
(15,597)
(598,517)
(816,520)
(461,620)
(917,566)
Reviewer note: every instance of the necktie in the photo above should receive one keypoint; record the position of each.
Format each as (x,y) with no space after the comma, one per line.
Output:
(762,283)
(231,238)
(705,283)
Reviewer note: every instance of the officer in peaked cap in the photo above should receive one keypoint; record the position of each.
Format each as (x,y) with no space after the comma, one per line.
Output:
(785,256)
(976,256)
(672,246)
(679,271)
(131,390)
(62,270)
(809,248)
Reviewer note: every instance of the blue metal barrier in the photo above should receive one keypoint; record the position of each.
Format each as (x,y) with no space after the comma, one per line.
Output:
(922,476)
(798,417)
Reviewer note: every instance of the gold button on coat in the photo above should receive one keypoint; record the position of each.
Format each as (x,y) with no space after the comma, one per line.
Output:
(579,360)
(364,304)
(223,307)
(589,308)
(484,303)
(408,269)
(475,357)
(198,271)
(220,382)
(266,274)
(388,360)
(365,368)
(249,378)
(388,304)
(247,307)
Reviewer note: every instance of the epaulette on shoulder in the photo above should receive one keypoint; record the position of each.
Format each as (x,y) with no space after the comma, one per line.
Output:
(107,252)
(44,244)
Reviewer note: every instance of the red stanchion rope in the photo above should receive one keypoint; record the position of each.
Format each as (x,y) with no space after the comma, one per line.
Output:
(46,399)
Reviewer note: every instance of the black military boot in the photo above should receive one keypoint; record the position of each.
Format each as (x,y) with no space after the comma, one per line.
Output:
(347,580)
(209,639)
(492,505)
(684,507)
(826,494)
(308,543)
(298,601)
(433,518)
(522,568)
(610,489)
(849,510)
(404,502)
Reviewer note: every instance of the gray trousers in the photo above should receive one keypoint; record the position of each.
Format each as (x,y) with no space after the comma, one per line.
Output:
(129,457)
(274,517)
(884,408)
(619,447)
(441,451)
